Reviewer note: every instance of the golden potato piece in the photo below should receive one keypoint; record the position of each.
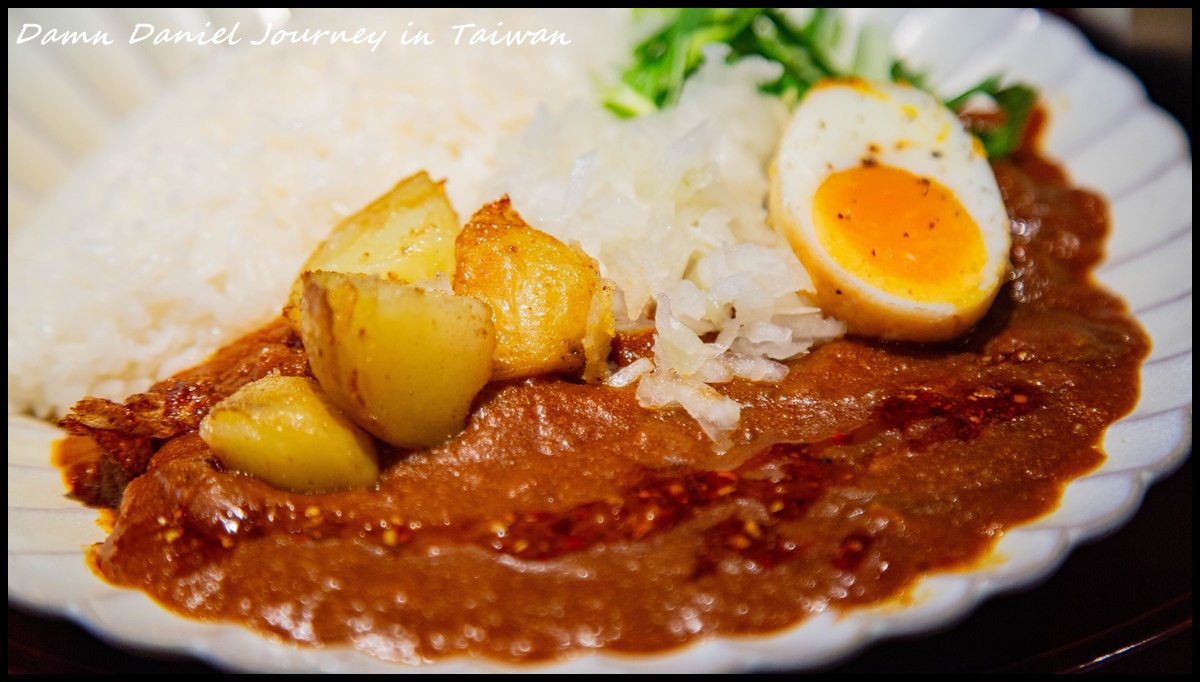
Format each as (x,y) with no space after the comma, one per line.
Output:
(552,310)
(286,431)
(598,334)
(406,235)
(403,361)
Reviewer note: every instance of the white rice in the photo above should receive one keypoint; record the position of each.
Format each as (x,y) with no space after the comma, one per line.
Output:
(187,230)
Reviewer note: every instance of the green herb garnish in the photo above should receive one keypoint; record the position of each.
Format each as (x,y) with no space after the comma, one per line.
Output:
(1014,102)
(807,53)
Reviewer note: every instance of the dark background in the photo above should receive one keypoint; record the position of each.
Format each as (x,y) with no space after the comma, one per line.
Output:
(1119,604)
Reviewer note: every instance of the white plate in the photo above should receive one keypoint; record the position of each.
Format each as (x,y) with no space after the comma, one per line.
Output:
(1110,139)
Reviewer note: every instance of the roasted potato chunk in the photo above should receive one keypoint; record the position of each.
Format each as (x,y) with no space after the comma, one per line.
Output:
(552,310)
(286,431)
(406,235)
(402,361)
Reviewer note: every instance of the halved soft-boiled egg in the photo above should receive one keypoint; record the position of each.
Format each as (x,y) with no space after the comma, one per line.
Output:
(893,209)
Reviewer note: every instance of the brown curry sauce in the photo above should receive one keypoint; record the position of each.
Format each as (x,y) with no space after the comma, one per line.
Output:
(567,518)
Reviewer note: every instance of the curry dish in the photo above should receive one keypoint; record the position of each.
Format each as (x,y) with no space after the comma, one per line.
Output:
(566,517)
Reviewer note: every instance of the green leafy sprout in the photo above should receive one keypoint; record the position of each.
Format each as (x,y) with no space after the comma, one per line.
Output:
(807,53)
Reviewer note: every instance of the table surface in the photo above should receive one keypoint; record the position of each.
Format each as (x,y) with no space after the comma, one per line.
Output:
(1120,604)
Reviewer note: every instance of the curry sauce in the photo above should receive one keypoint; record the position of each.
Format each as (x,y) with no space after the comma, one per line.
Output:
(567,518)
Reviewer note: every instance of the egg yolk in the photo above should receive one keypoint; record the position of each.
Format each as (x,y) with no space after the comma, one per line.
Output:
(905,235)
